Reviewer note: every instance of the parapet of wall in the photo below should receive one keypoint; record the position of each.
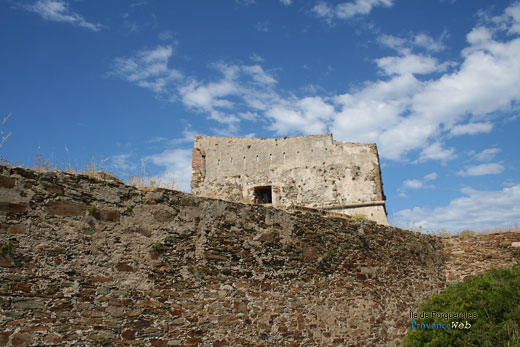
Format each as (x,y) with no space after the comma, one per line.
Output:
(311,171)
(90,262)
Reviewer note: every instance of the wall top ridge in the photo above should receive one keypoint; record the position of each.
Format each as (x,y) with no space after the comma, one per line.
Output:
(328,137)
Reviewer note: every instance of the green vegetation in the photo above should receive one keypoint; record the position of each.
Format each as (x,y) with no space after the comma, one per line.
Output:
(92,209)
(495,298)
(158,247)
(7,248)
(104,342)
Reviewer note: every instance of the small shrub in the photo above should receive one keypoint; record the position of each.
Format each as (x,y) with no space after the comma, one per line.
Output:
(158,247)
(466,234)
(91,209)
(494,296)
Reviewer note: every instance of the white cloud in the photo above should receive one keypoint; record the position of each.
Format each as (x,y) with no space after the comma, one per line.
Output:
(286,2)
(240,84)
(208,96)
(348,10)
(436,151)
(177,163)
(148,69)
(414,184)
(404,115)
(121,162)
(256,58)
(259,75)
(409,63)
(419,112)
(476,210)
(365,115)
(418,183)
(417,40)
(482,169)
(308,115)
(513,12)
(58,11)
(430,177)
(427,42)
(487,154)
(472,128)
(248,85)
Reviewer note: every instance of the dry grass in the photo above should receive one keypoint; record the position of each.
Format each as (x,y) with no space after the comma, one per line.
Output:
(4,136)
(97,170)
(465,234)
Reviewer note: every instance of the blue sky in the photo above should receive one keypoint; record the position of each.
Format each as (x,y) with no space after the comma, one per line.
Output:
(436,84)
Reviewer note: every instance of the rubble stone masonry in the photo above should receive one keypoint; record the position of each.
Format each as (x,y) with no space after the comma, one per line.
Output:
(86,262)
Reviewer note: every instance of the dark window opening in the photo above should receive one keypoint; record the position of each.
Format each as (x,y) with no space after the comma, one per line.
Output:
(263,195)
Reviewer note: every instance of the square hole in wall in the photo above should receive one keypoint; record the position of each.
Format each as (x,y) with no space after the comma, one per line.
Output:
(263,195)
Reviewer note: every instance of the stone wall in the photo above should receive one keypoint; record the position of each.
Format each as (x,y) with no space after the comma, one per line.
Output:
(469,255)
(86,262)
(311,171)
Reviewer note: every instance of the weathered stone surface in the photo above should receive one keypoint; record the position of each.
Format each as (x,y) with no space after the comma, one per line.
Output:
(101,279)
(54,189)
(306,171)
(29,304)
(52,339)
(4,337)
(10,207)
(65,208)
(21,340)
(16,229)
(124,267)
(7,182)
(109,215)
(214,273)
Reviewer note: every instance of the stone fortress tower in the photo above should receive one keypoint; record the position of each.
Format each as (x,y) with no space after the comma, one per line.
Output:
(306,171)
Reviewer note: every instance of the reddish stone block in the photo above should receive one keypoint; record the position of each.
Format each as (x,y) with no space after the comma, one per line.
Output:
(65,208)
(100,279)
(282,328)
(177,312)
(62,307)
(7,182)
(21,340)
(109,215)
(35,328)
(24,287)
(361,277)
(124,267)
(128,334)
(4,337)
(194,340)
(10,207)
(158,342)
(220,343)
